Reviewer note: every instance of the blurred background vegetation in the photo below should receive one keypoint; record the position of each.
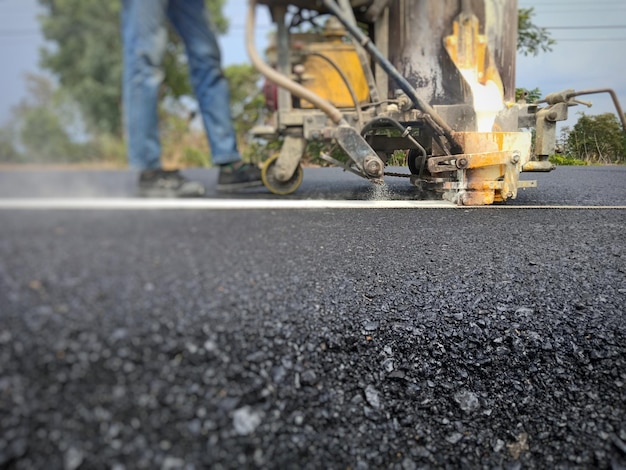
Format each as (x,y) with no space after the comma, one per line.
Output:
(76,118)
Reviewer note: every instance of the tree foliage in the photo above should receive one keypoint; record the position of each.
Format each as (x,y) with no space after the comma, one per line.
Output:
(529,96)
(531,39)
(246,97)
(47,127)
(41,133)
(8,151)
(598,139)
(86,57)
(42,127)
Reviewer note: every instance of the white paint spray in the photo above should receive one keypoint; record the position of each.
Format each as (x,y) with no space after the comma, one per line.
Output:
(380,192)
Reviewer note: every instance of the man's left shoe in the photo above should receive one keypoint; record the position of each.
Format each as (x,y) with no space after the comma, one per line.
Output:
(168,184)
(238,176)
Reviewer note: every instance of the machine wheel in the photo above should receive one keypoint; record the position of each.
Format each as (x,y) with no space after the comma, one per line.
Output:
(414,161)
(274,185)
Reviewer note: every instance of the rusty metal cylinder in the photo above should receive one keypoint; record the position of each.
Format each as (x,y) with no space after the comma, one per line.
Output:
(416,47)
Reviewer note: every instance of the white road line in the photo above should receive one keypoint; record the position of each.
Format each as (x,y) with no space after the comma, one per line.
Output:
(211,204)
(239,204)
(554,206)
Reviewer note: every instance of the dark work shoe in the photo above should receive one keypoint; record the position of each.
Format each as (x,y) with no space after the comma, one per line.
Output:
(237,176)
(168,183)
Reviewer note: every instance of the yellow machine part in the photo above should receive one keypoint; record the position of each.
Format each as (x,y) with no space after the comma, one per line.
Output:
(492,174)
(321,77)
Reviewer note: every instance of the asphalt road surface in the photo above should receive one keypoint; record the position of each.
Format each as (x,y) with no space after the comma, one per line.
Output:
(565,186)
(313,338)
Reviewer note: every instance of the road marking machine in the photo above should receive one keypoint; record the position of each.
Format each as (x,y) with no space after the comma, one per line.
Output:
(434,79)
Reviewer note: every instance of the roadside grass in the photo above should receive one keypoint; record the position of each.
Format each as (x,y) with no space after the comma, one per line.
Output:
(567,160)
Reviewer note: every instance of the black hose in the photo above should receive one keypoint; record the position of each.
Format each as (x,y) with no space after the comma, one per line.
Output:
(375,9)
(394,74)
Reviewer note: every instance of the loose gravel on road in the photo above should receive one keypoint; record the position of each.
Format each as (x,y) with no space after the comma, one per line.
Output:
(321,339)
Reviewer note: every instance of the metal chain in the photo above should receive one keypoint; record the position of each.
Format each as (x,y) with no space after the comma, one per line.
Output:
(399,175)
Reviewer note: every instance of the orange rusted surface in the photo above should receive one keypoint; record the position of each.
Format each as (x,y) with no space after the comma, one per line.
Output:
(489,170)
(538,166)
(477,198)
(481,160)
(480,142)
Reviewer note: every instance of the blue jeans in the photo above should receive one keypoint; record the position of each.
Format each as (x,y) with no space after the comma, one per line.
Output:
(144,35)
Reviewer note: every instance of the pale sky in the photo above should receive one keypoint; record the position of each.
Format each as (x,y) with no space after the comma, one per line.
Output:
(586,56)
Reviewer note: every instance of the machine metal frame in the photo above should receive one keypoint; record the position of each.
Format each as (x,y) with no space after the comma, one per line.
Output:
(446,152)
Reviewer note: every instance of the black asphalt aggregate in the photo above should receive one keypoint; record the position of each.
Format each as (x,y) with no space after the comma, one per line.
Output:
(433,338)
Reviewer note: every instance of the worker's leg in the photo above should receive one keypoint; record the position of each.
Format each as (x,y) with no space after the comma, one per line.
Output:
(144,36)
(189,17)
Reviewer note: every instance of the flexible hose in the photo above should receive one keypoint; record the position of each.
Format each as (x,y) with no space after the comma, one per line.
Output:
(375,9)
(394,74)
(281,80)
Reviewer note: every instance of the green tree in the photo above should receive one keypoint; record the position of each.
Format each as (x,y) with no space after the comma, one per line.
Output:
(86,56)
(246,97)
(530,96)
(531,39)
(42,126)
(47,127)
(8,151)
(597,139)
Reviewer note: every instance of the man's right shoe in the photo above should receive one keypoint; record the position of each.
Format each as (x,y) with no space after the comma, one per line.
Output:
(168,184)
(239,175)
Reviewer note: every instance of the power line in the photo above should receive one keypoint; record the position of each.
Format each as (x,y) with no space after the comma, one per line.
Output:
(568,3)
(566,8)
(588,39)
(617,10)
(571,12)
(586,27)
(603,8)
(600,8)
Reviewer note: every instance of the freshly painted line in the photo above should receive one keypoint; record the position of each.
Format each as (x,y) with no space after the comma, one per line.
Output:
(212,204)
(243,204)
(553,206)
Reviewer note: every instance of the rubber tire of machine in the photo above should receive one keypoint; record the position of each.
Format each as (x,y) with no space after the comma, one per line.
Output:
(413,158)
(281,188)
